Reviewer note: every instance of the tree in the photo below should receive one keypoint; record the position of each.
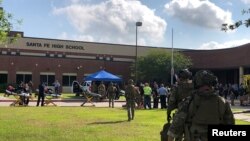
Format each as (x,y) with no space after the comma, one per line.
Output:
(225,27)
(6,25)
(157,65)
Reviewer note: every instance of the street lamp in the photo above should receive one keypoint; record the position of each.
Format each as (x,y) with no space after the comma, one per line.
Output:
(137,24)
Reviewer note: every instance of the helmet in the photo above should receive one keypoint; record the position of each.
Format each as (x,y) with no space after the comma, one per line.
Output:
(204,77)
(130,81)
(111,84)
(184,74)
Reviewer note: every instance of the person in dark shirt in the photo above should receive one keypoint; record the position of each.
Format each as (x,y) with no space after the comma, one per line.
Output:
(41,94)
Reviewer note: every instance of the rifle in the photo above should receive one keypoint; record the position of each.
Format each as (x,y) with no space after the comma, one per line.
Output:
(247,111)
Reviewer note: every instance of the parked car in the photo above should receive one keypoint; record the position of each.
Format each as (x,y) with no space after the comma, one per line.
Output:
(78,88)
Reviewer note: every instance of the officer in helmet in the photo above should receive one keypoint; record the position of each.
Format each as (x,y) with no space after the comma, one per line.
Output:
(204,107)
(183,89)
(130,93)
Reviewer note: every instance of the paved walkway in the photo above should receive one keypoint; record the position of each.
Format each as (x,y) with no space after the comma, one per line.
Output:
(5,101)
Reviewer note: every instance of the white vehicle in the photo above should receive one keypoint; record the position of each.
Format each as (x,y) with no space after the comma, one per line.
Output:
(78,88)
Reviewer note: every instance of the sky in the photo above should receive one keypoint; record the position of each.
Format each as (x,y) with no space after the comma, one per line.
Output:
(194,24)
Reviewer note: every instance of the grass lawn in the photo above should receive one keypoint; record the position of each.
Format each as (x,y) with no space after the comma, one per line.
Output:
(80,124)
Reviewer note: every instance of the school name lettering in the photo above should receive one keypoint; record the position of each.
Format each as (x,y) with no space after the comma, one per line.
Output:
(57,46)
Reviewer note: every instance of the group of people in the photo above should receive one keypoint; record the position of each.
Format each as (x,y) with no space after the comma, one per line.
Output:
(234,91)
(111,91)
(196,101)
(24,91)
(141,96)
(147,92)
(198,105)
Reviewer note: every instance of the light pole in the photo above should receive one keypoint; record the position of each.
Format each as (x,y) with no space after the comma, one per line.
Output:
(136,25)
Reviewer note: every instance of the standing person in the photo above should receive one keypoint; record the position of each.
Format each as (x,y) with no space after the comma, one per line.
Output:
(111,94)
(183,89)
(30,84)
(141,91)
(130,93)
(26,90)
(57,87)
(94,88)
(155,95)
(117,94)
(41,94)
(163,92)
(147,96)
(204,107)
(102,90)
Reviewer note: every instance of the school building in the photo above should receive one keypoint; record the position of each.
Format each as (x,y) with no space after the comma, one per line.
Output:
(47,60)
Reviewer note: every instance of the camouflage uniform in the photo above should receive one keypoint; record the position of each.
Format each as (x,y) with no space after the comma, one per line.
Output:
(130,93)
(182,91)
(201,109)
(102,90)
(111,94)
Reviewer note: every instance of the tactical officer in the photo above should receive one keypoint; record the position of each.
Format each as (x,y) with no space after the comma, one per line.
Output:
(181,91)
(102,90)
(204,107)
(111,94)
(130,93)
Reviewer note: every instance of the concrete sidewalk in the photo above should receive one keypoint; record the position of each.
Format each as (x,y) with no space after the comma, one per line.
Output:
(5,102)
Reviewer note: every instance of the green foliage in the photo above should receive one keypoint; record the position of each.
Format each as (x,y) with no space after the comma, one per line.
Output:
(157,65)
(225,27)
(6,25)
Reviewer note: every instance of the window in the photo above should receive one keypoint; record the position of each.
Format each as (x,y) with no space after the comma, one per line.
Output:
(3,78)
(23,78)
(48,79)
(68,79)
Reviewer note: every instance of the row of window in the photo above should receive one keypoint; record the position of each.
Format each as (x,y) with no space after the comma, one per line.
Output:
(49,79)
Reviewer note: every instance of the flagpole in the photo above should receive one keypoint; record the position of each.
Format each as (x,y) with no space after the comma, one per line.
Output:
(172,59)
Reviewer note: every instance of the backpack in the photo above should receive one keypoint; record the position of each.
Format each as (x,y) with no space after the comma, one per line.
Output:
(183,90)
(205,109)
(130,92)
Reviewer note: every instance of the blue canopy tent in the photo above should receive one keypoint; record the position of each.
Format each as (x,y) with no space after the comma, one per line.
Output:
(102,76)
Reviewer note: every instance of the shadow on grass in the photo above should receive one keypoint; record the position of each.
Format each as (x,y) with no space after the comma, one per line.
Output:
(108,122)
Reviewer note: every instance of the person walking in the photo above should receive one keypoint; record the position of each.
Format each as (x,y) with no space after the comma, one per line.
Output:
(130,93)
(41,94)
